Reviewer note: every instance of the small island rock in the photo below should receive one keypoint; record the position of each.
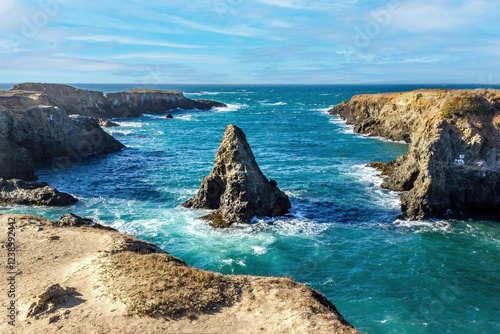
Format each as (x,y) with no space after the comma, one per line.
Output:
(236,188)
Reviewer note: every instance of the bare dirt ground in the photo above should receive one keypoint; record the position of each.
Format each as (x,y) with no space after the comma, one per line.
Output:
(113,283)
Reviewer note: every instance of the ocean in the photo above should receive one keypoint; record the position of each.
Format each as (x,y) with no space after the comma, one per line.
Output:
(383,274)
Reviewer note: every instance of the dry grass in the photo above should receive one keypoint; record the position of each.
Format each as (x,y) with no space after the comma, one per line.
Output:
(463,103)
(160,284)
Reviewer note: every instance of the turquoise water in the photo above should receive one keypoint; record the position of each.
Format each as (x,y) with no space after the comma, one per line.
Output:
(384,275)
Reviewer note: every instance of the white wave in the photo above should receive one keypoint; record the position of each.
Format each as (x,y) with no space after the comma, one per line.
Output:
(122,132)
(217,93)
(258,250)
(370,177)
(129,124)
(349,129)
(230,107)
(185,117)
(274,104)
(153,116)
(425,225)
(323,110)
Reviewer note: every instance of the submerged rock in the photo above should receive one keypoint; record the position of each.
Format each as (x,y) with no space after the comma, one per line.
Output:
(16,191)
(453,160)
(169,116)
(236,187)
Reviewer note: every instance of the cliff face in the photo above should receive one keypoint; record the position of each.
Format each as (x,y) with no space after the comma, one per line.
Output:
(453,161)
(131,103)
(33,130)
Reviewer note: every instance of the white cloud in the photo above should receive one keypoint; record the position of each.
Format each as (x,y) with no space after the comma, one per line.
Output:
(129,41)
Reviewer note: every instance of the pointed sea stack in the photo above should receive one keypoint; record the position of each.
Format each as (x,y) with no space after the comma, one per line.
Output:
(236,187)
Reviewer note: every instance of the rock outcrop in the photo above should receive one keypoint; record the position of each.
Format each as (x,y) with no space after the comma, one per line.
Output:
(33,130)
(32,193)
(130,103)
(453,160)
(236,187)
(71,219)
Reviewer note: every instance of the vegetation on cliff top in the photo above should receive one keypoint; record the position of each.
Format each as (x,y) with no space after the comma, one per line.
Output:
(463,103)
(172,289)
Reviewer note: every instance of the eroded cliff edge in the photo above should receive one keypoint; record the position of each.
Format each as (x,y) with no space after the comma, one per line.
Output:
(453,160)
(32,129)
(79,277)
(130,103)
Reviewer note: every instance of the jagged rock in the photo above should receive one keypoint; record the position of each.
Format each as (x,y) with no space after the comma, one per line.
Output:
(31,131)
(236,187)
(106,123)
(71,219)
(453,161)
(16,191)
(169,116)
(130,103)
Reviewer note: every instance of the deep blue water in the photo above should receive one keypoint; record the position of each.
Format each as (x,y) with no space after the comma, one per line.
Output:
(384,275)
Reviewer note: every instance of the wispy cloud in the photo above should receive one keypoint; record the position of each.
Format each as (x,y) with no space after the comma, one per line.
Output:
(240,30)
(202,58)
(129,41)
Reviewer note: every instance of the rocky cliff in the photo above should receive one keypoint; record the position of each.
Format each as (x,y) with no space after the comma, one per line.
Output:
(453,160)
(33,130)
(236,187)
(131,103)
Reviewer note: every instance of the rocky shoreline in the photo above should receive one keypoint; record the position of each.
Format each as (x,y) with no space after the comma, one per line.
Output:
(453,160)
(79,277)
(130,103)
(39,122)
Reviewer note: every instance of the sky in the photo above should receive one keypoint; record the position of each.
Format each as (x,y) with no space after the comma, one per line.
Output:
(250,41)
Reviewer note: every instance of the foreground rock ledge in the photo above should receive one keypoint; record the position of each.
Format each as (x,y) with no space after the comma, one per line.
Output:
(32,193)
(93,280)
(236,187)
(453,161)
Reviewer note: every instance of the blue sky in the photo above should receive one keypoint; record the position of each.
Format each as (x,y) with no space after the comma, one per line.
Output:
(251,41)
